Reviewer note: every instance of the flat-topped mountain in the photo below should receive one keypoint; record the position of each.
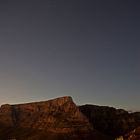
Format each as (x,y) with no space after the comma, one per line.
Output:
(54,119)
(61,119)
(53,115)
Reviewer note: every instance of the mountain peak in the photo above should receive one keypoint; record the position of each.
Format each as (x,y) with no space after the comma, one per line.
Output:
(59,115)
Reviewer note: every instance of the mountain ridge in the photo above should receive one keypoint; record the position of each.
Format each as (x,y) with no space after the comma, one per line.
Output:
(50,119)
(61,118)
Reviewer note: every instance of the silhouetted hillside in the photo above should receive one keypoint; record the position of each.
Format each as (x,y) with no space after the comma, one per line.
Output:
(111,121)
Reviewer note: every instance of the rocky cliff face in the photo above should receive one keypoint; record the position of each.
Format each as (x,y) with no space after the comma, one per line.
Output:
(133,135)
(53,115)
(54,119)
(108,120)
(61,119)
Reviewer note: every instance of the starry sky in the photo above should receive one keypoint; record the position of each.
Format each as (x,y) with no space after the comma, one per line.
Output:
(87,49)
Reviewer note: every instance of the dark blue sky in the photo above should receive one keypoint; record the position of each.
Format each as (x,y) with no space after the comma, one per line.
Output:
(88,49)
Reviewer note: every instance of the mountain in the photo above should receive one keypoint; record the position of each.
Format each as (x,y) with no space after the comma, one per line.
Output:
(61,119)
(111,121)
(55,119)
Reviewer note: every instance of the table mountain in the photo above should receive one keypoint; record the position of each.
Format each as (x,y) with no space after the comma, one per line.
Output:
(48,120)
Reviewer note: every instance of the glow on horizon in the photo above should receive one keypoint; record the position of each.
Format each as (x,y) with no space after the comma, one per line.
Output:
(87,50)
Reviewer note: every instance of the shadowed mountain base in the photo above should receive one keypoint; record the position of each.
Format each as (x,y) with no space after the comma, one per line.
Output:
(32,134)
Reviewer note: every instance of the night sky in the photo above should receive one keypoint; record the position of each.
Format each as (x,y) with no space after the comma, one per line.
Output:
(87,49)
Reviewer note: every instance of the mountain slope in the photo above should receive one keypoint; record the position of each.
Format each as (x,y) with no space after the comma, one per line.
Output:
(111,121)
(49,120)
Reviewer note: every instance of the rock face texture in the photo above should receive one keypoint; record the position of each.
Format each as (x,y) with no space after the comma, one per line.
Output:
(61,119)
(111,121)
(53,115)
(133,135)
(49,120)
